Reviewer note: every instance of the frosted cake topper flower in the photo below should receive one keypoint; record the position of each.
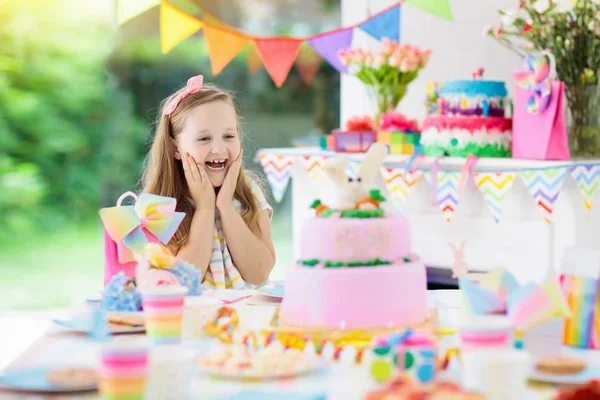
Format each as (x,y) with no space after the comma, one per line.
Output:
(194,85)
(536,77)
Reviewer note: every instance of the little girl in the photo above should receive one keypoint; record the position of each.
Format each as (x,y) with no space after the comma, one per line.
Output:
(196,158)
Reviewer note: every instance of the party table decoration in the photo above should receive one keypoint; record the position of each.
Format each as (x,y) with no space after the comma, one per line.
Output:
(401,134)
(129,228)
(536,78)
(580,281)
(357,137)
(411,353)
(570,32)
(526,305)
(387,72)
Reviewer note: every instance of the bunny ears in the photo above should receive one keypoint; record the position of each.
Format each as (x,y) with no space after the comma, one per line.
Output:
(194,85)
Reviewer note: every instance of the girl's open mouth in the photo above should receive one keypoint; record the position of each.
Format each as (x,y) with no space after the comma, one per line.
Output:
(216,165)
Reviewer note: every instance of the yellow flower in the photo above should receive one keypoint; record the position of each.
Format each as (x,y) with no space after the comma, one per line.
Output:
(160,256)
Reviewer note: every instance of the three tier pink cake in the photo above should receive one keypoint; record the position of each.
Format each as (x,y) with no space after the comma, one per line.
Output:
(356,269)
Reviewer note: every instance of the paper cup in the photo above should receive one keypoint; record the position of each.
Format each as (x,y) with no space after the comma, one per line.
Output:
(197,311)
(500,374)
(163,312)
(488,331)
(123,369)
(170,373)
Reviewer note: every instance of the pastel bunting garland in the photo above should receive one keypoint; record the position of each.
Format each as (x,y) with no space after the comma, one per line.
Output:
(447,191)
(314,166)
(277,54)
(587,178)
(278,170)
(495,187)
(544,185)
(398,184)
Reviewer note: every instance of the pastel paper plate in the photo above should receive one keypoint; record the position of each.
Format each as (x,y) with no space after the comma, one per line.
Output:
(314,365)
(34,380)
(591,372)
(275,290)
(84,324)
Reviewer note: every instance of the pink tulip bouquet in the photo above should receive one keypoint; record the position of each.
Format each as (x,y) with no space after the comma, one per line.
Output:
(388,71)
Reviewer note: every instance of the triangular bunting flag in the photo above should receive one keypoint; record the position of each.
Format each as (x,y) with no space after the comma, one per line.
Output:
(278,55)
(223,46)
(494,187)
(253,59)
(314,166)
(447,191)
(308,63)
(175,26)
(544,185)
(586,177)
(328,46)
(128,9)
(386,24)
(441,8)
(277,169)
(398,185)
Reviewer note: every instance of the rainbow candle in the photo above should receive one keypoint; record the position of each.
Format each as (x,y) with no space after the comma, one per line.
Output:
(123,369)
(581,295)
(163,312)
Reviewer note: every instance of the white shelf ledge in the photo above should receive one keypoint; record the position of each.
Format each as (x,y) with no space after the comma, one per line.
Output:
(492,164)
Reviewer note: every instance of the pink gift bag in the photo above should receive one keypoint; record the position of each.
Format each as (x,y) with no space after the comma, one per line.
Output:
(539,128)
(127,230)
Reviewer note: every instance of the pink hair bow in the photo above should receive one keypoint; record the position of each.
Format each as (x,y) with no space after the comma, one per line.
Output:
(194,85)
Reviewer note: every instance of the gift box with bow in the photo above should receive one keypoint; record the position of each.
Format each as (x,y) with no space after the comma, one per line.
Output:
(526,305)
(129,228)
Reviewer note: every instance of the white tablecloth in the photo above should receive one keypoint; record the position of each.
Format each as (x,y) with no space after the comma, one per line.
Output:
(31,339)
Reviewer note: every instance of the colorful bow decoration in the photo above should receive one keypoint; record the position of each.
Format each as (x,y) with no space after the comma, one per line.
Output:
(131,227)
(536,77)
(498,292)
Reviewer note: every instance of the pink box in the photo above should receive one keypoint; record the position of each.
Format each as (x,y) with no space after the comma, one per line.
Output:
(353,141)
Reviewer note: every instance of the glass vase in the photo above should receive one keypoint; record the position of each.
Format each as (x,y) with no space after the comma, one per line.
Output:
(387,97)
(583,120)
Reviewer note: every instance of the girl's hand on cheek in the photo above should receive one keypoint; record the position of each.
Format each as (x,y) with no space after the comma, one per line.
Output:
(225,196)
(200,187)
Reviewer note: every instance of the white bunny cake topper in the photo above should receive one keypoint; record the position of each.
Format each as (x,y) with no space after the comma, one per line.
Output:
(352,197)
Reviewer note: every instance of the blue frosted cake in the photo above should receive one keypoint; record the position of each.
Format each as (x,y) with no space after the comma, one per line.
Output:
(467,117)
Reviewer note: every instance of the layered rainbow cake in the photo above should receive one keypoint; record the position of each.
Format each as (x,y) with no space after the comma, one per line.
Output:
(469,117)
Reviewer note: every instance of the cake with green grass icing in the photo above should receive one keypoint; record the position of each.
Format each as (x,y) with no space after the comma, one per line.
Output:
(470,117)
(356,268)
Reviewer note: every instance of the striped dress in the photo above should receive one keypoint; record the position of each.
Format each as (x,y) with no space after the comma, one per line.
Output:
(221,273)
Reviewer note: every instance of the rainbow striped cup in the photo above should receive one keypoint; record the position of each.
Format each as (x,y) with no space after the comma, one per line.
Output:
(487,331)
(163,312)
(123,370)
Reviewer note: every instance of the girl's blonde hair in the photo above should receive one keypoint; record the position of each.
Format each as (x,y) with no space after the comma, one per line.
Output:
(163,174)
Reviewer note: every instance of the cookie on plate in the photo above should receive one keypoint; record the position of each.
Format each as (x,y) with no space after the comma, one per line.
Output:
(118,320)
(72,377)
(560,365)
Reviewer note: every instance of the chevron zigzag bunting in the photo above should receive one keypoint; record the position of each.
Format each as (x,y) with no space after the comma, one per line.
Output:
(495,187)
(587,178)
(278,170)
(544,185)
(314,166)
(398,185)
(446,191)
